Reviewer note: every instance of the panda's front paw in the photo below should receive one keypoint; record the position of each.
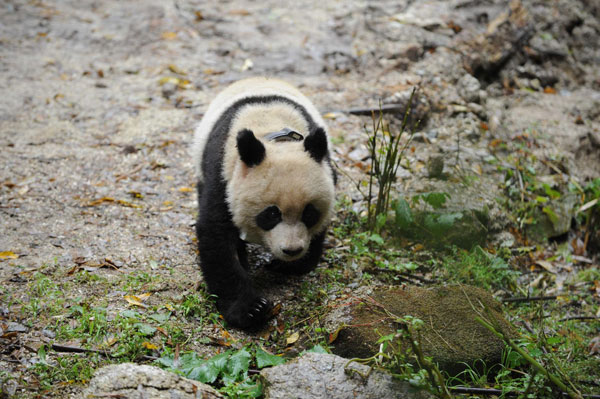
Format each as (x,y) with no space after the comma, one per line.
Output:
(244,313)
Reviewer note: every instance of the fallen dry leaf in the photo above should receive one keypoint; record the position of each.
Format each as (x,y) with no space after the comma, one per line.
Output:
(180,83)
(162,331)
(128,204)
(110,341)
(333,336)
(8,255)
(209,71)
(239,12)
(137,300)
(169,35)
(100,201)
(594,346)
(149,345)
(175,69)
(546,265)
(292,338)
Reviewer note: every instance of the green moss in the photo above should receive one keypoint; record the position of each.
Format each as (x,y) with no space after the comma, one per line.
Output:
(450,333)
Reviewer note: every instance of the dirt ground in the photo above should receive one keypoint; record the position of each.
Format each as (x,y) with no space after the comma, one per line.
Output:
(99,101)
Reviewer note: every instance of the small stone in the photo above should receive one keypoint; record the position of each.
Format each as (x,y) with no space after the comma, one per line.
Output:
(16,327)
(468,88)
(168,89)
(419,137)
(472,133)
(359,154)
(432,133)
(478,110)
(9,387)
(435,166)
(48,334)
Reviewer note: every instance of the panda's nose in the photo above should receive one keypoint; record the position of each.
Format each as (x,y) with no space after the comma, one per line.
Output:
(292,251)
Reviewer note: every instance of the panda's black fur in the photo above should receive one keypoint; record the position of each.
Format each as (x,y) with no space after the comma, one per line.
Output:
(223,256)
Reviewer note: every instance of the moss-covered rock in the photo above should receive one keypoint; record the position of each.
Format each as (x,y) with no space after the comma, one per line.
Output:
(450,333)
(443,212)
(554,219)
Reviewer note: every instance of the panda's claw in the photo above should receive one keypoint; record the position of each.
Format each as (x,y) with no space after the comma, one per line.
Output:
(247,314)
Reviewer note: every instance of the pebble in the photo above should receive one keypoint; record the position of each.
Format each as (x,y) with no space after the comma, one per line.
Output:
(16,327)
(468,88)
(48,334)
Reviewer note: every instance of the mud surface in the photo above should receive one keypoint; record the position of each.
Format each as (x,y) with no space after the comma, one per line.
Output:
(99,101)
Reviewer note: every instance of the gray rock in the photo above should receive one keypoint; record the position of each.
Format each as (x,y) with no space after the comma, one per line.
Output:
(468,88)
(317,375)
(135,381)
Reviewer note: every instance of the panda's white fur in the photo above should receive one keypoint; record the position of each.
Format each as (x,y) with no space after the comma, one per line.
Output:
(289,175)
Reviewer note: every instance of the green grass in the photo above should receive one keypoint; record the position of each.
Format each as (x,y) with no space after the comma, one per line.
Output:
(479,268)
(65,369)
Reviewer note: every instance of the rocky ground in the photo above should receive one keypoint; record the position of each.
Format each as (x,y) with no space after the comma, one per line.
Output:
(100,99)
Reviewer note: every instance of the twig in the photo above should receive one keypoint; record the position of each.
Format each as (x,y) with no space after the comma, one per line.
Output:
(76,349)
(580,318)
(521,187)
(494,391)
(342,171)
(400,276)
(530,298)
(534,363)
(419,278)
(386,109)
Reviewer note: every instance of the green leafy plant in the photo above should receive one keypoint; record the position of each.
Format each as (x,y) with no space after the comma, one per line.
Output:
(386,150)
(229,371)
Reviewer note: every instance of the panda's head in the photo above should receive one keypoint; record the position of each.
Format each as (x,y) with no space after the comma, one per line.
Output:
(281,194)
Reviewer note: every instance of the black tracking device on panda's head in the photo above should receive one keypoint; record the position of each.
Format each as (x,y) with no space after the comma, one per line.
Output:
(284,134)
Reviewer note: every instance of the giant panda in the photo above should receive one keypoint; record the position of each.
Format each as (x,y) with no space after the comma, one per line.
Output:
(265,177)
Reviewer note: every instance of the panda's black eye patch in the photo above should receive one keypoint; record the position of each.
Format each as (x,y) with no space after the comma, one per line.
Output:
(268,218)
(310,215)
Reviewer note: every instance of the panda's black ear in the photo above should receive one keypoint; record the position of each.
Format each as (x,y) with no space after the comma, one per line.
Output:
(251,150)
(316,144)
